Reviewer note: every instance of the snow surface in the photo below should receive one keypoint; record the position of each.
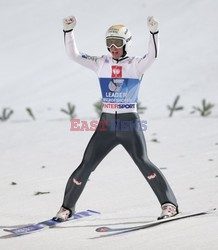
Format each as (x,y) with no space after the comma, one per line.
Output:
(40,155)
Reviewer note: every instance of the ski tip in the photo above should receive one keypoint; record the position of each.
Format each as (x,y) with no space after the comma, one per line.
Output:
(7,230)
(92,211)
(102,229)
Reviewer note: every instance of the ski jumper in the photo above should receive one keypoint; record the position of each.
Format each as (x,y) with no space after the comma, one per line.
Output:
(119,81)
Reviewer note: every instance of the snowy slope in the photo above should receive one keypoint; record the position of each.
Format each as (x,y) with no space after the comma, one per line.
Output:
(40,155)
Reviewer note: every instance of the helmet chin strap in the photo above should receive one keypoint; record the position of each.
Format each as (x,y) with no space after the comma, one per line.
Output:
(124,51)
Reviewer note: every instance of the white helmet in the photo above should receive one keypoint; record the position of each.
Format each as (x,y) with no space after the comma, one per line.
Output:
(119,32)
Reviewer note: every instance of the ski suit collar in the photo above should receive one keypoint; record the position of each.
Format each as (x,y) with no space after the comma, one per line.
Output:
(120,59)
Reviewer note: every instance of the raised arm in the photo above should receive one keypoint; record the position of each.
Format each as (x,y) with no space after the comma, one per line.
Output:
(91,62)
(153,47)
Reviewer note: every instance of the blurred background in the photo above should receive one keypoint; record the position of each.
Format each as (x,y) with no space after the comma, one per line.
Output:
(35,71)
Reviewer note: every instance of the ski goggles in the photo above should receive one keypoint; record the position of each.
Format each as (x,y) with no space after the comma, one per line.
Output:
(117,42)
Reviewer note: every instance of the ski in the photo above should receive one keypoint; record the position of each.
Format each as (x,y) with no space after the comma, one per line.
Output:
(116,231)
(36,227)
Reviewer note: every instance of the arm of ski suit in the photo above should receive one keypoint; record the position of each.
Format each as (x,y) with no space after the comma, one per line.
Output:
(91,62)
(153,48)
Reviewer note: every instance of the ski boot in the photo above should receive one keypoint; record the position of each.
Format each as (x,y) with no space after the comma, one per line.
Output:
(63,214)
(168,210)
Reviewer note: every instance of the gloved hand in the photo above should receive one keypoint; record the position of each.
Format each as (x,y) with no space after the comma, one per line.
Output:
(152,24)
(69,23)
